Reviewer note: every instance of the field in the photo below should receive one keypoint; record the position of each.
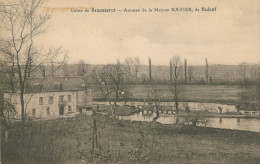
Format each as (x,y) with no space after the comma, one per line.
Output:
(69,140)
(226,94)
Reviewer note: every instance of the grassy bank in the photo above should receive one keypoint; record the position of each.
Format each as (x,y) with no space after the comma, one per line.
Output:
(69,140)
(224,94)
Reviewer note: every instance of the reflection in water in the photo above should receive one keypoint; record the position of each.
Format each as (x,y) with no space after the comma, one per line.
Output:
(248,124)
(210,107)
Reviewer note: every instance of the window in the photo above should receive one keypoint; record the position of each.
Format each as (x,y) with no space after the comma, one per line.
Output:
(69,108)
(48,110)
(61,98)
(50,99)
(61,87)
(33,112)
(69,98)
(41,100)
(40,88)
(43,72)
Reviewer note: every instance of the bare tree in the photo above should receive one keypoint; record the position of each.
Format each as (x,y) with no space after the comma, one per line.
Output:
(110,82)
(207,71)
(65,70)
(94,134)
(7,73)
(174,87)
(185,71)
(137,65)
(129,62)
(143,78)
(190,71)
(155,94)
(247,94)
(242,72)
(258,91)
(171,71)
(81,68)
(227,75)
(23,22)
(126,94)
(52,69)
(43,70)
(150,69)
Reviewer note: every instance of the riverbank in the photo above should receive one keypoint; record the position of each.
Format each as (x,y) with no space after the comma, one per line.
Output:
(221,94)
(68,140)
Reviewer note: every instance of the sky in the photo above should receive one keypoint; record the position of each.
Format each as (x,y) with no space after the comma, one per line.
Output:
(231,35)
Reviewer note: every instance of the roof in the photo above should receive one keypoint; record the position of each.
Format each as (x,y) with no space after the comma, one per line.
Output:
(55,84)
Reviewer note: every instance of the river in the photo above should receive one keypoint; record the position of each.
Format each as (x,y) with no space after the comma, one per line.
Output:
(210,107)
(246,124)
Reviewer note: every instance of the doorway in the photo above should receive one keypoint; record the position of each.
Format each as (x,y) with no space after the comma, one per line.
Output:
(61,111)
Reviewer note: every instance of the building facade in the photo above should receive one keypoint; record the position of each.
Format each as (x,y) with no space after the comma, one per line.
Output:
(52,97)
(50,104)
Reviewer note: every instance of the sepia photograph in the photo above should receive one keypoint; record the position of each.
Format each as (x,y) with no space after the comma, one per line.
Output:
(130,82)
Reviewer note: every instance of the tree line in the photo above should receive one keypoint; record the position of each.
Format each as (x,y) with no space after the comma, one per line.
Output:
(142,74)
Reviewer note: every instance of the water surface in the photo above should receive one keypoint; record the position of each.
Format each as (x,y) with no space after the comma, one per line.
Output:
(246,124)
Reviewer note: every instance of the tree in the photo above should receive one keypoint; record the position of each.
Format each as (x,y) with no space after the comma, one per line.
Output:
(143,78)
(207,71)
(227,75)
(137,65)
(81,68)
(248,94)
(126,94)
(8,114)
(65,70)
(185,70)
(129,63)
(110,82)
(52,69)
(190,71)
(155,95)
(23,22)
(174,87)
(150,69)
(171,72)
(7,72)
(43,70)
(258,92)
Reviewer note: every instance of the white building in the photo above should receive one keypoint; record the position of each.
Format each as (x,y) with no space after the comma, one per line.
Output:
(57,100)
